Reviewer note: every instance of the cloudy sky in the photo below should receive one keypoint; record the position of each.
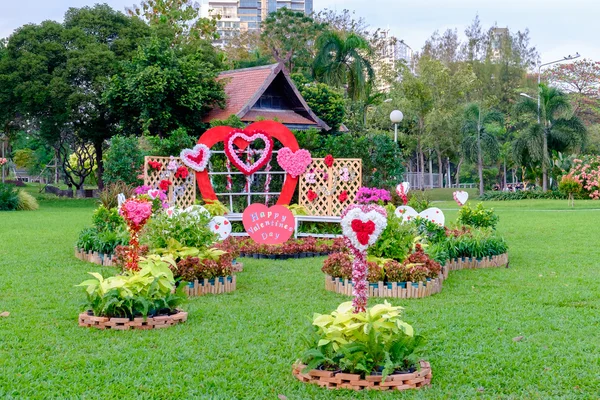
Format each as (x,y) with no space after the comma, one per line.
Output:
(557,27)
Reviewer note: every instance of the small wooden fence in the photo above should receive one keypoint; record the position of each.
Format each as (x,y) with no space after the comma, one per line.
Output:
(401,290)
(500,260)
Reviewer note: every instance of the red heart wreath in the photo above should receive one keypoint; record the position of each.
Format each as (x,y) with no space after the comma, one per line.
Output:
(242,136)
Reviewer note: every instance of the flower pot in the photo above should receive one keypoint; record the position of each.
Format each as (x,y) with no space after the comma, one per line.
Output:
(272,256)
(255,255)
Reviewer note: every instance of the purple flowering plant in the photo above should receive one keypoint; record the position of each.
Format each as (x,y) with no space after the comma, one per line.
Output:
(367,195)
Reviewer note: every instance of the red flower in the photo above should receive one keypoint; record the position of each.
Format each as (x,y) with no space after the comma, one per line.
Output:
(182,172)
(155,165)
(342,197)
(329,160)
(164,184)
(311,196)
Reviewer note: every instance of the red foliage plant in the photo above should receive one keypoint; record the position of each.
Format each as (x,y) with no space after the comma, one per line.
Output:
(419,258)
(338,265)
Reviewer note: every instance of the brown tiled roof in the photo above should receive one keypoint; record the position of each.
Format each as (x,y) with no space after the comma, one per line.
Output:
(283,116)
(243,88)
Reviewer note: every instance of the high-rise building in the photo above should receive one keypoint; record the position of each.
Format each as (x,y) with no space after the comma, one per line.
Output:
(246,15)
(390,51)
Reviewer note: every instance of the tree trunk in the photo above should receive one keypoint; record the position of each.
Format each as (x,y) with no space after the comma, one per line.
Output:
(430,170)
(421,155)
(449,180)
(457,176)
(440,167)
(99,164)
(504,176)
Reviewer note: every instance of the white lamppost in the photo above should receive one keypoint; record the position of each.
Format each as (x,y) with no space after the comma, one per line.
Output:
(396,117)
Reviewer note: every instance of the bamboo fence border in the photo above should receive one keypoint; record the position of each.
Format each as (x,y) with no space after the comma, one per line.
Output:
(88,320)
(202,287)
(381,289)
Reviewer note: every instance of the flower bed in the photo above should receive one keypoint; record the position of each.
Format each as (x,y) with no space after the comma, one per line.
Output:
(339,380)
(89,320)
(471,263)
(403,290)
(211,286)
(293,248)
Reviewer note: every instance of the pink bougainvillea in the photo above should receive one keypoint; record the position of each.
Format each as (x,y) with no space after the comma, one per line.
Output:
(586,171)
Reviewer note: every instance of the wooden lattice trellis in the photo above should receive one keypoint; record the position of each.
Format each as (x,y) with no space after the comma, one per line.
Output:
(182,193)
(328,185)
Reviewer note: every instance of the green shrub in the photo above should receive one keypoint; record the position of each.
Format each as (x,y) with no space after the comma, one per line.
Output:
(418,200)
(569,186)
(523,195)
(172,144)
(190,230)
(396,240)
(124,161)
(9,198)
(27,202)
(147,292)
(478,217)
(371,342)
(476,244)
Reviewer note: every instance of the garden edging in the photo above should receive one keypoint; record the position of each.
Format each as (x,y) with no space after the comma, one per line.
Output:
(500,260)
(339,380)
(392,289)
(88,320)
(205,286)
(106,260)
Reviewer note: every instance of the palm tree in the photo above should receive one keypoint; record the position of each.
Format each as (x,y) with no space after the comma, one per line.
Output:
(343,60)
(556,129)
(479,129)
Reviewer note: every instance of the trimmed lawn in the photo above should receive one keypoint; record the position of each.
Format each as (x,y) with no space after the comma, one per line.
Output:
(242,345)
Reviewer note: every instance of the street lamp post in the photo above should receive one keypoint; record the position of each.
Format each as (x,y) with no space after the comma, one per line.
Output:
(545,149)
(396,117)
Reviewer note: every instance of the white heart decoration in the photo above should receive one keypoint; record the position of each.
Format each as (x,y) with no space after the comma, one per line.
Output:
(221,226)
(196,158)
(196,210)
(407,213)
(170,211)
(461,197)
(379,220)
(153,193)
(403,188)
(434,215)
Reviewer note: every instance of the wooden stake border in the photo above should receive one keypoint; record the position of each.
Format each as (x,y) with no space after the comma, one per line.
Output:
(106,260)
(339,380)
(381,289)
(202,287)
(88,320)
(456,264)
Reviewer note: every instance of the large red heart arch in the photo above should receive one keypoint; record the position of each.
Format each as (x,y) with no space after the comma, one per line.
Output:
(219,134)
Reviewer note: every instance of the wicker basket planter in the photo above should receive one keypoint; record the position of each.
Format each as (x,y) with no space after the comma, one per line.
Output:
(500,260)
(89,320)
(106,260)
(339,380)
(402,290)
(211,286)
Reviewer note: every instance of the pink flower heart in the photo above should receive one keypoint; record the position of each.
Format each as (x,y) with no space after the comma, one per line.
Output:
(294,163)
(265,154)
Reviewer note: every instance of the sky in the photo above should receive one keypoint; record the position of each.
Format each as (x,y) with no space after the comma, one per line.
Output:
(557,27)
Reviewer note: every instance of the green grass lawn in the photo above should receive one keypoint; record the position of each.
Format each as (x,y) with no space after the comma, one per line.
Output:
(242,345)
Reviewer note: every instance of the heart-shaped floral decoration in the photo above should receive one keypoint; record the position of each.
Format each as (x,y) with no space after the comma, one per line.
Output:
(196,158)
(265,154)
(461,197)
(294,163)
(362,224)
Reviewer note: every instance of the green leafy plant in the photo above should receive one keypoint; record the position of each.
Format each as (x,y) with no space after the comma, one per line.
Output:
(108,196)
(190,230)
(479,216)
(149,291)
(216,208)
(298,209)
(419,201)
(123,161)
(396,241)
(9,198)
(375,341)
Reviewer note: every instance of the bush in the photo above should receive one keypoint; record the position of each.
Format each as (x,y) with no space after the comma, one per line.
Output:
(418,200)
(124,161)
(172,144)
(569,186)
(523,195)
(147,292)
(395,241)
(9,198)
(478,217)
(373,342)
(192,268)
(27,202)
(108,196)
(190,230)
(420,266)
(476,244)
(338,265)
(395,271)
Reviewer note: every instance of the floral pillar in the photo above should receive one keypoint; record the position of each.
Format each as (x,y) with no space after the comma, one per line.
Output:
(136,213)
(361,226)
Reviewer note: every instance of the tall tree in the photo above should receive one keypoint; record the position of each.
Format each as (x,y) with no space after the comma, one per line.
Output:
(480,128)
(557,129)
(342,59)
(164,88)
(290,36)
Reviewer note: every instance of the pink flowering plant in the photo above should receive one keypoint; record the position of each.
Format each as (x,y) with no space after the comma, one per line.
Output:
(367,195)
(136,213)
(586,171)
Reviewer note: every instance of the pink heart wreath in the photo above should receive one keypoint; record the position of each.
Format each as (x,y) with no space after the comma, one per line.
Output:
(196,158)
(296,163)
(265,154)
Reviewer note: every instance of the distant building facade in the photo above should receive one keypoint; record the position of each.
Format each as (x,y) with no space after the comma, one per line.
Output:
(390,52)
(246,15)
